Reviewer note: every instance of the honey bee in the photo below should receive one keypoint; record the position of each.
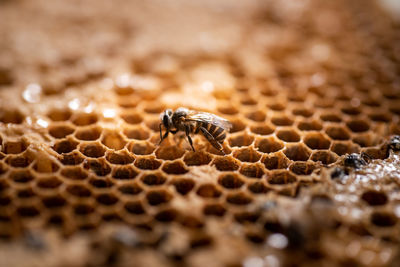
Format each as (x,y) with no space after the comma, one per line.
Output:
(213,128)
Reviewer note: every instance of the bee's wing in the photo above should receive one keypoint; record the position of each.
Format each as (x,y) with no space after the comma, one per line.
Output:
(209,118)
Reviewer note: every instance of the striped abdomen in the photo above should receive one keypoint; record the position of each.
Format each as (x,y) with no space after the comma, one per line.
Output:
(214,134)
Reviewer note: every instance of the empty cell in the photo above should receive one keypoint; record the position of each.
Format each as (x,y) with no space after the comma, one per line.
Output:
(25,193)
(153,124)
(304,112)
(268,144)
(99,166)
(28,211)
(208,191)
(297,152)
(374,198)
(79,190)
(120,158)
(248,101)
(49,182)
(60,131)
(191,221)
(309,125)
(14,147)
(380,117)
(59,114)
(246,217)
(288,135)
(11,116)
(174,168)
(20,161)
(366,139)
(197,158)
(228,110)
(130,189)
(275,161)
(226,163)
(230,181)
(214,210)
(45,165)
(83,209)
(141,148)
(358,126)
(106,199)
(276,106)
(88,134)
(65,146)
(280,177)
(332,117)
(157,197)
(239,199)
(101,182)
(237,125)
(316,140)
(169,152)
(53,202)
(183,185)
(124,172)
(138,133)
(258,188)
(240,140)
(252,170)
(113,140)
(132,118)
(74,173)
(154,107)
(302,168)
(349,110)
(146,163)
(258,116)
(262,129)
(344,147)
(92,150)
(84,119)
(153,179)
(247,155)
(23,176)
(337,133)
(167,215)
(134,207)
(383,219)
(325,157)
(282,120)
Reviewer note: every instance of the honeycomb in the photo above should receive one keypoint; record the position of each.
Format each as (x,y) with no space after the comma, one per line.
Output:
(310,176)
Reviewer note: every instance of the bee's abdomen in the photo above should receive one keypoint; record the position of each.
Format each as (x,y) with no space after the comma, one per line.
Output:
(218,133)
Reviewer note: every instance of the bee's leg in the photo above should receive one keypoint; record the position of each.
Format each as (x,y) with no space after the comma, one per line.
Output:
(211,139)
(187,131)
(163,137)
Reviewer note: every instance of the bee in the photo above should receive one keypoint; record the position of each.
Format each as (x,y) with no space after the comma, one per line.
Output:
(213,128)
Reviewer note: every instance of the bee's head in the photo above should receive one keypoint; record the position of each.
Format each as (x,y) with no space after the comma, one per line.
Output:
(166,118)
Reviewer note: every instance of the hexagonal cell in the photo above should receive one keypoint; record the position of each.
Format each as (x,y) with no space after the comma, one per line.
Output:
(240,140)
(74,173)
(157,197)
(258,116)
(25,193)
(184,186)
(174,168)
(258,188)
(134,207)
(141,148)
(237,125)
(106,199)
(49,182)
(169,152)
(248,101)
(383,219)
(28,211)
(304,112)
(374,198)
(65,146)
(268,144)
(130,189)
(344,147)
(337,132)
(316,140)
(350,110)
(208,191)
(228,110)
(247,155)
(59,114)
(214,210)
(288,135)
(230,181)
(138,133)
(309,125)
(45,165)
(262,129)
(197,158)
(332,117)
(153,179)
(367,139)
(154,107)
(246,217)
(279,177)
(119,158)
(83,209)
(297,152)
(191,221)
(53,202)
(20,161)
(126,101)
(113,140)
(325,157)
(11,116)
(147,163)
(89,134)
(124,172)
(302,168)
(101,182)
(132,117)
(281,120)
(153,124)
(252,170)
(167,215)
(226,163)
(14,147)
(358,125)
(100,167)
(23,176)
(277,160)
(84,119)
(239,199)
(92,150)
(60,131)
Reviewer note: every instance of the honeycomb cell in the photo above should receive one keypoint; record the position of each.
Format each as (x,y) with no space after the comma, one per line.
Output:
(228,110)
(358,126)
(247,155)
(197,158)
(226,163)
(99,166)
(167,215)
(380,117)
(154,107)
(49,182)
(316,140)
(106,199)
(74,173)
(288,135)
(262,129)
(153,179)
(302,168)
(237,125)
(88,134)
(92,150)
(258,116)
(174,168)
(268,144)
(101,182)
(130,189)
(248,101)
(258,188)
(239,199)
(246,217)
(169,152)
(332,117)
(11,116)
(309,125)
(53,202)
(60,131)
(45,166)
(280,177)
(304,112)
(325,157)
(337,133)
(83,209)
(297,152)
(252,170)
(374,198)
(147,163)
(240,140)
(230,181)
(275,161)
(138,133)
(22,176)
(141,148)
(383,219)
(81,191)
(113,140)
(28,211)
(20,161)
(157,197)
(59,114)
(132,117)
(119,158)
(14,147)
(134,207)
(25,193)
(208,191)
(281,120)
(65,146)
(124,172)
(350,110)
(84,119)
(276,106)
(344,147)
(183,185)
